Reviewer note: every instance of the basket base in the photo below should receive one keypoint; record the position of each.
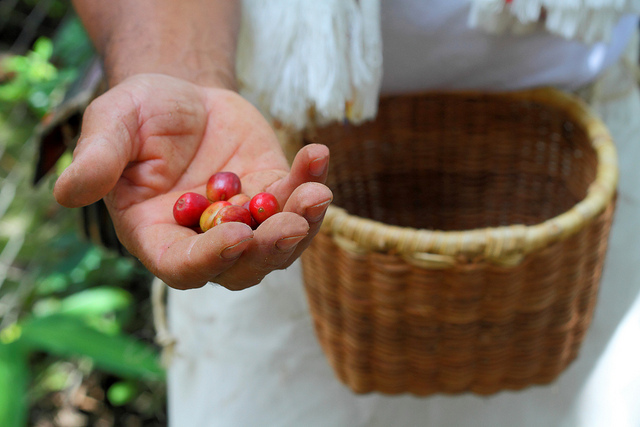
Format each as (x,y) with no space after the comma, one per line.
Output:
(423,381)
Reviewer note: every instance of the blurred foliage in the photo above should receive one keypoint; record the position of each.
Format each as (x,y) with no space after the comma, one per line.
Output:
(76,330)
(33,78)
(13,383)
(57,8)
(122,392)
(72,48)
(41,77)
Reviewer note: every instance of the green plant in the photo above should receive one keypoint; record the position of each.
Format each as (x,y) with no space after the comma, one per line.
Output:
(72,315)
(67,316)
(34,79)
(41,77)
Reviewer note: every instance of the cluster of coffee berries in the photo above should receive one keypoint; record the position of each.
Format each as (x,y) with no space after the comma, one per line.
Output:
(224,202)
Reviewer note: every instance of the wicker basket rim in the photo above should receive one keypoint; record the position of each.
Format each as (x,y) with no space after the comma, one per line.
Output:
(506,245)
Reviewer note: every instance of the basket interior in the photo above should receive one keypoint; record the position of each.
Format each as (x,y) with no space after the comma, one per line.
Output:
(456,162)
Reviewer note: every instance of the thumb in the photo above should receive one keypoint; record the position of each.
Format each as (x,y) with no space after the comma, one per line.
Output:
(103,151)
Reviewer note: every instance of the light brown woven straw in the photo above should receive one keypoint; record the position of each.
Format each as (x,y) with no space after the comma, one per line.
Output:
(464,248)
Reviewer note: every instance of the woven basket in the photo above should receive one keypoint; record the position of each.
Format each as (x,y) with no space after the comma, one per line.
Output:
(464,247)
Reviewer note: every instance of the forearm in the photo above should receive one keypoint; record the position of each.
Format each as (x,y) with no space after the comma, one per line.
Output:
(191,39)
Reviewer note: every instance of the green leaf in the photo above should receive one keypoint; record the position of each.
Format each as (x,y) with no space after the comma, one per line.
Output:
(43,48)
(96,301)
(56,377)
(14,378)
(10,334)
(54,282)
(66,335)
(122,392)
(13,92)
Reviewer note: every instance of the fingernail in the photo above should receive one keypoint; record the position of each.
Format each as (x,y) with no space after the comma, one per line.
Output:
(287,243)
(318,167)
(234,251)
(316,212)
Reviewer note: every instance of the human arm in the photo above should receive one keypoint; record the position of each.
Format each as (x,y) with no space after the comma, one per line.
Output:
(152,137)
(194,39)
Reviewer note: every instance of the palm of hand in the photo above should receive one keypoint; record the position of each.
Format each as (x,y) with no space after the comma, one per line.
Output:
(152,138)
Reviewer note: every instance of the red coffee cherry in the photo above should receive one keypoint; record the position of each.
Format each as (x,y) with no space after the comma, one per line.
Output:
(232,213)
(262,206)
(188,209)
(206,219)
(254,223)
(223,186)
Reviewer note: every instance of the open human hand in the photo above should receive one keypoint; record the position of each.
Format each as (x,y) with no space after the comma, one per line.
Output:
(153,137)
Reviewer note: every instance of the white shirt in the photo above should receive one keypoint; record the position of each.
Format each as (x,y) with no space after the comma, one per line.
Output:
(428,44)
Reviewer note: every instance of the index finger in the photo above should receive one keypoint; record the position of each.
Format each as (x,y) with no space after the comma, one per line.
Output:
(311,164)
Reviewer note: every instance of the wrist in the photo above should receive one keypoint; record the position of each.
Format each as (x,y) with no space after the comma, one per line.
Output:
(205,68)
(194,40)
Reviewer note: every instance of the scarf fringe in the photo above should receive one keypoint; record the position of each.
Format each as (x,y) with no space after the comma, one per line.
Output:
(305,61)
(589,21)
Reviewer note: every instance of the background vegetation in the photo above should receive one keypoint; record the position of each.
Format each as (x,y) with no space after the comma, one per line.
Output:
(76,334)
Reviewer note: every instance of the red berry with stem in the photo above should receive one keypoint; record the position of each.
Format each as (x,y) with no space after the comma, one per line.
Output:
(262,206)
(223,186)
(188,209)
(206,219)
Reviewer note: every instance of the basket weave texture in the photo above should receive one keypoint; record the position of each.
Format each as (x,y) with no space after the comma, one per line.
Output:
(465,244)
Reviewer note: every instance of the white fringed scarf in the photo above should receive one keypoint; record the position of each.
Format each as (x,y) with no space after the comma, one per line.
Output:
(301,58)
(588,21)
(303,61)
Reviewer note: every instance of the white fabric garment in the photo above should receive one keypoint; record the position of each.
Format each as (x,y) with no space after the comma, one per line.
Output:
(324,58)
(429,44)
(298,59)
(585,20)
(251,358)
